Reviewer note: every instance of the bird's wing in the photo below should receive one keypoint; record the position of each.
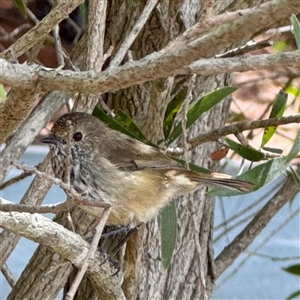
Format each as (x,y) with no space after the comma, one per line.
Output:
(130,155)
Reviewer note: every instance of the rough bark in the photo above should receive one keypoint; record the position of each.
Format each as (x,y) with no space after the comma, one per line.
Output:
(191,274)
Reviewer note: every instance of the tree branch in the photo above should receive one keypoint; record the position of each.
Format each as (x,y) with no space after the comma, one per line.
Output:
(258,223)
(57,238)
(236,128)
(26,134)
(138,26)
(20,102)
(39,32)
(33,196)
(169,61)
(94,59)
(243,63)
(25,76)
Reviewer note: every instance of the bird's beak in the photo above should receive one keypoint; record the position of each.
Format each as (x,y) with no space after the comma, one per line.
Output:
(50,139)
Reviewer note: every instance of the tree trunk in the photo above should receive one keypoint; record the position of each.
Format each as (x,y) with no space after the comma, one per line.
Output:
(190,275)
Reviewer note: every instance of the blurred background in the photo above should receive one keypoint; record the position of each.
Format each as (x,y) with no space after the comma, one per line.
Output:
(257,273)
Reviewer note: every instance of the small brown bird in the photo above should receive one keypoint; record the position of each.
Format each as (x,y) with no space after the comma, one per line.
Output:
(136,179)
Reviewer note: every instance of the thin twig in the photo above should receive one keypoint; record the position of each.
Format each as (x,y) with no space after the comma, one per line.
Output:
(242,139)
(39,32)
(250,46)
(241,213)
(228,228)
(248,254)
(91,253)
(272,258)
(31,15)
(67,188)
(215,134)
(7,206)
(8,275)
(150,4)
(225,223)
(11,35)
(68,165)
(262,218)
(58,46)
(15,180)
(184,119)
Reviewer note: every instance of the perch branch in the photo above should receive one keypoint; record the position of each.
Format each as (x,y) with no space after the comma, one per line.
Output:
(58,239)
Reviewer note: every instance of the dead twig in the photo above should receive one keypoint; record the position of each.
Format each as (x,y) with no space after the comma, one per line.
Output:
(91,253)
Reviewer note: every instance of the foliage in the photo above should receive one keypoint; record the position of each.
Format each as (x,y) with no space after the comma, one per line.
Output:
(295,270)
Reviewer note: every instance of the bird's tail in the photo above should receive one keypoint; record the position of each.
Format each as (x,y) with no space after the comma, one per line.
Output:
(222,180)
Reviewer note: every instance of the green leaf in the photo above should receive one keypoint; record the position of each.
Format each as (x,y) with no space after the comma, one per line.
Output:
(296,29)
(245,152)
(295,149)
(83,13)
(113,123)
(294,295)
(202,105)
(293,91)
(273,150)
(2,93)
(168,233)
(264,173)
(276,112)
(128,123)
(294,175)
(280,46)
(260,176)
(22,8)
(172,110)
(294,269)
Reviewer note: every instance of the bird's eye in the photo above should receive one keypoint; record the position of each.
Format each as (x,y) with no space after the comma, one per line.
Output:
(77,136)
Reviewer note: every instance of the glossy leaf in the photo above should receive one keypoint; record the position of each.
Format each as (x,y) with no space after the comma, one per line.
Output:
(264,173)
(294,269)
(172,110)
(296,29)
(21,6)
(112,123)
(260,176)
(128,123)
(276,112)
(294,295)
(168,233)
(245,152)
(202,105)
(293,91)
(295,149)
